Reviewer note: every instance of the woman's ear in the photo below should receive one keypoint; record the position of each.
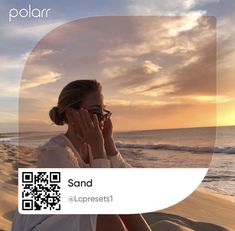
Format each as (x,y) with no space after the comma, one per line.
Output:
(69,115)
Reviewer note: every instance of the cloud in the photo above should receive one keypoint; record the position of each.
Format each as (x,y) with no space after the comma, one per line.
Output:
(211,99)
(180,58)
(180,100)
(129,50)
(161,90)
(8,63)
(180,51)
(30,31)
(50,77)
(151,67)
(40,53)
(138,103)
(157,87)
(186,23)
(140,62)
(11,68)
(9,89)
(198,77)
(114,72)
(226,41)
(129,78)
(147,67)
(169,7)
(107,58)
(163,35)
(192,60)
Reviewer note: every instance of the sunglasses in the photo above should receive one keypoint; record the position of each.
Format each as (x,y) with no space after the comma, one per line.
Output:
(101,116)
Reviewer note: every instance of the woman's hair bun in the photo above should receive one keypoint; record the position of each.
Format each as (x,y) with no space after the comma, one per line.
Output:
(56,117)
(72,95)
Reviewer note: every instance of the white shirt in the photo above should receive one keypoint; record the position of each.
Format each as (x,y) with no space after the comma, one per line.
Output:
(59,152)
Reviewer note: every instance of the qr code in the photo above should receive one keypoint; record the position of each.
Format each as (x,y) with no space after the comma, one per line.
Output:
(41,191)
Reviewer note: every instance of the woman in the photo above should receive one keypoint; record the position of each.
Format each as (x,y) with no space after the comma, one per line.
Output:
(88,143)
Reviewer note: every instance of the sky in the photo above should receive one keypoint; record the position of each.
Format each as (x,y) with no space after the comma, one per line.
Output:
(156,72)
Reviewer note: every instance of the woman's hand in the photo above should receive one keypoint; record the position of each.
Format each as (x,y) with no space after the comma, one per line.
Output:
(109,143)
(88,131)
(108,129)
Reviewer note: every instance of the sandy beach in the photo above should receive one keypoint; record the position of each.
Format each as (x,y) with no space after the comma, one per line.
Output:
(201,211)
(9,180)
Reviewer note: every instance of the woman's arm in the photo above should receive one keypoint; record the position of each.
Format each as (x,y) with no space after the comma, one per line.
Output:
(112,152)
(114,155)
(132,222)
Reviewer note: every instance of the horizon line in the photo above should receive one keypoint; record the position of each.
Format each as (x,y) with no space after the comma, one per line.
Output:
(154,129)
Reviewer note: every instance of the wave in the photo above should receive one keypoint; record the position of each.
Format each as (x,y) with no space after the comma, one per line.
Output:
(7,139)
(192,149)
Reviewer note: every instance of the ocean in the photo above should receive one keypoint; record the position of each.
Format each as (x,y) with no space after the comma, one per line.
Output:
(184,147)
